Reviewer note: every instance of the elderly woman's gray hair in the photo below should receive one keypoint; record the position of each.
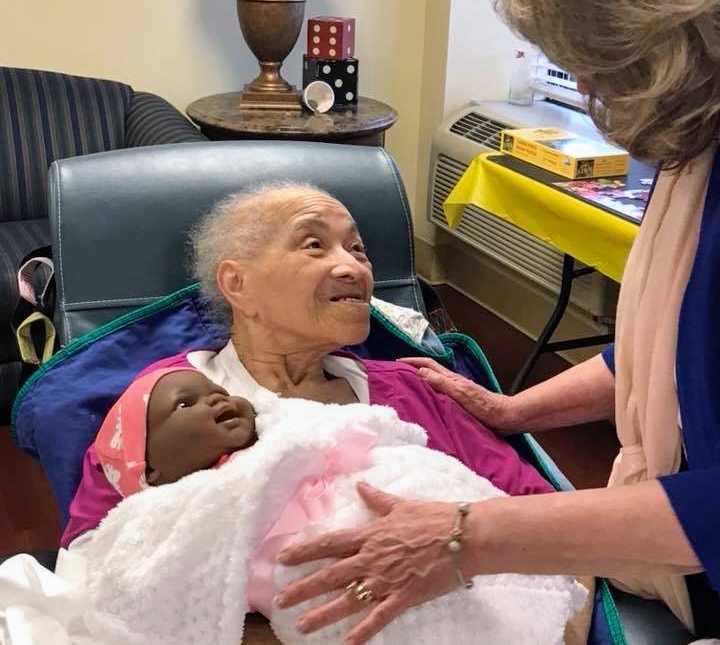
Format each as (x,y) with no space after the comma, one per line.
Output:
(652,68)
(239,227)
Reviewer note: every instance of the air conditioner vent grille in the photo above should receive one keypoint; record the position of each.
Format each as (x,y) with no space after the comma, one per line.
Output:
(506,243)
(480,129)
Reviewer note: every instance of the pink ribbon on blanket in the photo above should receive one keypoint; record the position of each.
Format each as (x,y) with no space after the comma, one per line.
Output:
(311,501)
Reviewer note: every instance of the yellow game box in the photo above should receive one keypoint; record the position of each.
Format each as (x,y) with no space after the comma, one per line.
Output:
(565,153)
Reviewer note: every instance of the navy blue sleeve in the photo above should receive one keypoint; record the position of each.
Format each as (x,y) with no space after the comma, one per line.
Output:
(695,498)
(608,355)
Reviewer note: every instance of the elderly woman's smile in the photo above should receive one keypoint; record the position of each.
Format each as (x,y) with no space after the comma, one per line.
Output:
(351,296)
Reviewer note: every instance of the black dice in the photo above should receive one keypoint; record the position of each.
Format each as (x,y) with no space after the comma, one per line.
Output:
(341,75)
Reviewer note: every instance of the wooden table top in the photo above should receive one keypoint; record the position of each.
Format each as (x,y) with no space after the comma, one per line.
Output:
(223,111)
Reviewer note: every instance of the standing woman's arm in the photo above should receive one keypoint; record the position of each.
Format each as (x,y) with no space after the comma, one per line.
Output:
(583,393)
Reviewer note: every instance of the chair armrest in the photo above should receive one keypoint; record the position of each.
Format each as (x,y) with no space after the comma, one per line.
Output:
(649,622)
(151,120)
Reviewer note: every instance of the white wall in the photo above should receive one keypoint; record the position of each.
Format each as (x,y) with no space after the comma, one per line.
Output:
(480,52)
(432,106)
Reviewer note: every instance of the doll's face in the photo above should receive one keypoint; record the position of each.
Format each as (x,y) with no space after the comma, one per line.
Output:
(192,423)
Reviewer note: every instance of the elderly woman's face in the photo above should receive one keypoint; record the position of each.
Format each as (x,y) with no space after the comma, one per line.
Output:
(314,281)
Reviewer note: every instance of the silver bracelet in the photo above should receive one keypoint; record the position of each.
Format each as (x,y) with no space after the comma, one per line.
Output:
(456,539)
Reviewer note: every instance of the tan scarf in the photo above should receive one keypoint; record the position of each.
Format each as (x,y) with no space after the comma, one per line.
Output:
(646,402)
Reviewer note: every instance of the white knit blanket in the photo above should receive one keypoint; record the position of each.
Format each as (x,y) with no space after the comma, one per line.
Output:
(169,565)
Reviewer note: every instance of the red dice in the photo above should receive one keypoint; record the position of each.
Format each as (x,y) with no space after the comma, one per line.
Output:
(331,38)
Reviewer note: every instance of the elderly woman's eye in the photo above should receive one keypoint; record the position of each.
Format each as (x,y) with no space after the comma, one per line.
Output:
(312,244)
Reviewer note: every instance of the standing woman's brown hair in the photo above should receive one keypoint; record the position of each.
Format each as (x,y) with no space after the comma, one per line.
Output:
(651,67)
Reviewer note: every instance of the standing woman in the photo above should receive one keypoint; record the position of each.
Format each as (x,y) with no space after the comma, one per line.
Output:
(651,70)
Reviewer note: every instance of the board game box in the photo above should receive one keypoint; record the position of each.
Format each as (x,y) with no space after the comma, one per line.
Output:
(565,153)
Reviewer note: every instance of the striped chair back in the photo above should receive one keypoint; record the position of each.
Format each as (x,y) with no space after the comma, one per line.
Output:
(46,116)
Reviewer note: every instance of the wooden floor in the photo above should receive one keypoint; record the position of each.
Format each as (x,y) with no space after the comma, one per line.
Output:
(29,519)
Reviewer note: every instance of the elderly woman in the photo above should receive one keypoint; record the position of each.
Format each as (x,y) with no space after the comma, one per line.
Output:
(286,265)
(652,73)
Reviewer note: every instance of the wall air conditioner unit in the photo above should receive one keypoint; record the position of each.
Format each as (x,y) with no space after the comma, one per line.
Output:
(476,129)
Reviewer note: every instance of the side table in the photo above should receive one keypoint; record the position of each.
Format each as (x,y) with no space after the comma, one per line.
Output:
(220,118)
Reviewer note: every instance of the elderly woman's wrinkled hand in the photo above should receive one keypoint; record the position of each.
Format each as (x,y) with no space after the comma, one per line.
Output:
(402,559)
(493,409)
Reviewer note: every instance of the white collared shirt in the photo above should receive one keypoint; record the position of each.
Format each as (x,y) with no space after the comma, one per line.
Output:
(225,369)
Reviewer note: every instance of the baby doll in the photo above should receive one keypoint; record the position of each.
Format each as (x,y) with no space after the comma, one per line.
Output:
(185,563)
(168,424)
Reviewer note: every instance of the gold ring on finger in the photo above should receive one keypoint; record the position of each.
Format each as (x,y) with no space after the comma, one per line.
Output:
(361,591)
(366,596)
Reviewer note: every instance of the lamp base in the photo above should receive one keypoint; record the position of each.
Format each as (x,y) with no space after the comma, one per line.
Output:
(270,91)
(288,100)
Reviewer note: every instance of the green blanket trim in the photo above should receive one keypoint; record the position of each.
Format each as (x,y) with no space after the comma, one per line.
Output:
(472,346)
(611,614)
(616,629)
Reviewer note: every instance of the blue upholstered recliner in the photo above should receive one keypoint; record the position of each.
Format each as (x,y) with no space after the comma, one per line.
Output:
(46,116)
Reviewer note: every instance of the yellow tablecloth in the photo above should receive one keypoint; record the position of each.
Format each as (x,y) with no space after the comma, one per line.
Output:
(591,235)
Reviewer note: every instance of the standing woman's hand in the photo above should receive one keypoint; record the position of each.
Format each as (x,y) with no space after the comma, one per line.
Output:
(490,408)
(402,558)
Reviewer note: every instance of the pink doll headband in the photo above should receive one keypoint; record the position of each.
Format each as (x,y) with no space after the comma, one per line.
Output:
(120,444)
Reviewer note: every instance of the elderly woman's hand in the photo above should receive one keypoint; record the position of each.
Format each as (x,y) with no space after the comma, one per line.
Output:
(402,558)
(494,410)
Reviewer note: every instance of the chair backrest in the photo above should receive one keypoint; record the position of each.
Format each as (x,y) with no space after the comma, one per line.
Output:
(120,220)
(46,116)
